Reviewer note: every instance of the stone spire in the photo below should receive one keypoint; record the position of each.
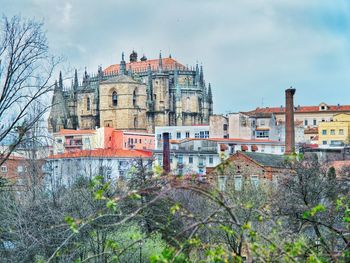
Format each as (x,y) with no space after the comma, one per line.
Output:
(149,85)
(122,66)
(160,65)
(75,83)
(178,104)
(176,84)
(197,77)
(60,81)
(210,101)
(100,71)
(210,95)
(201,77)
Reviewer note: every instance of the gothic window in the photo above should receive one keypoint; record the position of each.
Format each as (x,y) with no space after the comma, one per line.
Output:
(115,98)
(134,98)
(135,122)
(199,104)
(188,104)
(88,104)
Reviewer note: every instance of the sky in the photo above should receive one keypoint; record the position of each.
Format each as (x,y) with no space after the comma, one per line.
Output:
(251,50)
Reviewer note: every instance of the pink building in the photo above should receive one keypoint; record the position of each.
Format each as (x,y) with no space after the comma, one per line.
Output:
(120,139)
(103,138)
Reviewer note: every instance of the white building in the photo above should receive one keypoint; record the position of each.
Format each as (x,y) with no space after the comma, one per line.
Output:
(180,133)
(190,156)
(64,169)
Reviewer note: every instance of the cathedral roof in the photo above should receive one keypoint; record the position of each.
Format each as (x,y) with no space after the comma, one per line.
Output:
(168,63)
(121,79)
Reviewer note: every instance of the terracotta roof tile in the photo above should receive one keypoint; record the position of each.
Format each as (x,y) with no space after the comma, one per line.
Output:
(74,132)
(168,63)
(104,153)
(334,108)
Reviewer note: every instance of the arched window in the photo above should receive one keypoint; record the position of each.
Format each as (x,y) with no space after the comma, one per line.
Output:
(115,98)
(135,122)
(134,98)
(188,104)
(88,104)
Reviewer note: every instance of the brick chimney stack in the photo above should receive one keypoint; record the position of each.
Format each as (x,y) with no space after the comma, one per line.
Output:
(166,153)
(290,133)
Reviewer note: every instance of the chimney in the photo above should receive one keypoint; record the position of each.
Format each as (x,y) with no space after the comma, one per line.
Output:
(166,153)
(290,133)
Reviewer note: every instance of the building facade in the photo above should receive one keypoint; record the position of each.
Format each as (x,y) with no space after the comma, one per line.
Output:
(248,167)
(138,95)
(335,132)
(69,140)
(64,169)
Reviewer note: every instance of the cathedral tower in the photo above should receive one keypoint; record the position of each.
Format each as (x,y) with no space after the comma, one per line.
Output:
(123,102)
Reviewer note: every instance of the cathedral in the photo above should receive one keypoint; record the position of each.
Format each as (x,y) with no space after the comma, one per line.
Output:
(138,96)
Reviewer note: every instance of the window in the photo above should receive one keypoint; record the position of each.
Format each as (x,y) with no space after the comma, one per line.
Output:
(206,134)
(59,140)
(134,98)
(196,135)
(324,142)
(306,122)
(88,106)
(187,134)
(238,182)
(262,134)
(225,127)
(135,122)
(332,132)
(4,169)
(324,132)
(115,99)
(190,159)
(139,140)
(211,161)
(222,183)
(314,122)
(341,131)
(282,149)
(171,159)
(20,168)
(254,179)
(201,134)
(178,135)
(180,159)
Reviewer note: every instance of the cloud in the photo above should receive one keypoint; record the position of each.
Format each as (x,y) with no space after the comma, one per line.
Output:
(251,50)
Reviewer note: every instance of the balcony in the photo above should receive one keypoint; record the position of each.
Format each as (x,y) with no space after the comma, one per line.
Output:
(73,143)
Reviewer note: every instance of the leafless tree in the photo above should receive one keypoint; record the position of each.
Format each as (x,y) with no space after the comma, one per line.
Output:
(26,68)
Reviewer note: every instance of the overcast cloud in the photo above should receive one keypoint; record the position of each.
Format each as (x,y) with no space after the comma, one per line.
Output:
(251,50)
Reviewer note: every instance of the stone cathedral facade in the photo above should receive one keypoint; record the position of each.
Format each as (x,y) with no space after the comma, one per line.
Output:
(138,95)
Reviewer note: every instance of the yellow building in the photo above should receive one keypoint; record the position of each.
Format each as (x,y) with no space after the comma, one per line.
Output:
(334,132)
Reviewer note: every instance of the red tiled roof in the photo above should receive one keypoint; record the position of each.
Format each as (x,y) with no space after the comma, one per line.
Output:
(168,63)
(225,140)
(335,108)
(75,132)
(242,140)
(104,153)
